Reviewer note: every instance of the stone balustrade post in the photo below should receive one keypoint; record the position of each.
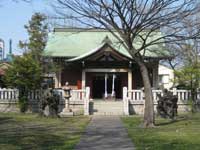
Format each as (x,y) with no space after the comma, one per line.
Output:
(125,101)
(86,101)
(174,91)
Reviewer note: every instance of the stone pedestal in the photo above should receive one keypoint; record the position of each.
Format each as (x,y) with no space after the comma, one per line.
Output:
(66,112)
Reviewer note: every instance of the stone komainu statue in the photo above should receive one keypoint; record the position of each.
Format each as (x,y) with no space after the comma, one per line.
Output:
(167,105)
(50,102)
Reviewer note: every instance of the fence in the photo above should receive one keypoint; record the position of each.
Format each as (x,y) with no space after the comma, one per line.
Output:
(138,95)
(9,95)
(133,100)
(80,97)
(12,95)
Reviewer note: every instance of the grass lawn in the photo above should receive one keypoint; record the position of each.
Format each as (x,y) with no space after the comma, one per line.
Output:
(30,132)
(184,134)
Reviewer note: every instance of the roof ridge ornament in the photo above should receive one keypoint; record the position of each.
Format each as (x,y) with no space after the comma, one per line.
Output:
(107,40)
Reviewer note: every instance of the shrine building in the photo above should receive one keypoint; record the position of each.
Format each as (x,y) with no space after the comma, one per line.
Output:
(95,58)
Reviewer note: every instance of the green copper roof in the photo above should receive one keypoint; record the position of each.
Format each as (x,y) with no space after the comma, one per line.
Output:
(77,42)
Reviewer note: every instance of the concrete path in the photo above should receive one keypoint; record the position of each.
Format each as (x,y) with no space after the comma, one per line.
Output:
(105,133)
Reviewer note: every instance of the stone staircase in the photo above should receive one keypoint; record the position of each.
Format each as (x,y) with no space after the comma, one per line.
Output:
(106,108)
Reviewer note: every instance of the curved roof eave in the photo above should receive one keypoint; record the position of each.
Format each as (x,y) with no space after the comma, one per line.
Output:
(86,54)
(94,51)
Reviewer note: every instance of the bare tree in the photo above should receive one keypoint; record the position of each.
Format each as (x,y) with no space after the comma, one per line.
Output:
(191,48)
(130,20)
(187,51)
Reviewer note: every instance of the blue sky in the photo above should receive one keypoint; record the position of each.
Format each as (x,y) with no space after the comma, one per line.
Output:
(13,18)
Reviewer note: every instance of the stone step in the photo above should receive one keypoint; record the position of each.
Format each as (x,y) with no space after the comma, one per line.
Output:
(99,101)
(101,107)
(101,110)
(108,113)
(107,108)
(96,102)
(108,105)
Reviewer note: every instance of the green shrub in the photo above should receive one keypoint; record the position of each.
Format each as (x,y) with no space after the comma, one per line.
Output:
(23,104)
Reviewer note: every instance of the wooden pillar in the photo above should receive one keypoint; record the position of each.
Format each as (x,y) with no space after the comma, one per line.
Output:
(58,79)
(106,85)
(129,79)
(83,79)
(155,76)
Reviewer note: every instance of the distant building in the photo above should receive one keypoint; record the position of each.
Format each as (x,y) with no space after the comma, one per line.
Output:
(9,56)
(2,49)
(166,76)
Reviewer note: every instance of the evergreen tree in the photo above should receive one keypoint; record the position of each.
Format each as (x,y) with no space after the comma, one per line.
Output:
(189,77)
(25,72)
(25,75)
(37,30)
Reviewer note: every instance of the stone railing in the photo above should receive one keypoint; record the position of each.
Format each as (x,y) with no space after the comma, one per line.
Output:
(10,95)
(134,99)
(13,94)
(138,95)
(78,97)
(34,95)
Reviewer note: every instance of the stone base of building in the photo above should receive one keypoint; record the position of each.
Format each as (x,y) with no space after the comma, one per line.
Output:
(138,109)
(78,107)
(9,107)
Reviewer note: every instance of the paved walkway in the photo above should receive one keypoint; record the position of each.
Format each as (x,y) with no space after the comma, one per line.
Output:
(105,133)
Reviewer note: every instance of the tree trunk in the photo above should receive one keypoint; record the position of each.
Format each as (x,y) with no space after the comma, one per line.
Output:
(149,105)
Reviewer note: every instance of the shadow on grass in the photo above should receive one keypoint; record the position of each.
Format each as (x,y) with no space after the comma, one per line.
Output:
(35,136)
(4,120)
(154,141)
(170,121)
(182,134)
